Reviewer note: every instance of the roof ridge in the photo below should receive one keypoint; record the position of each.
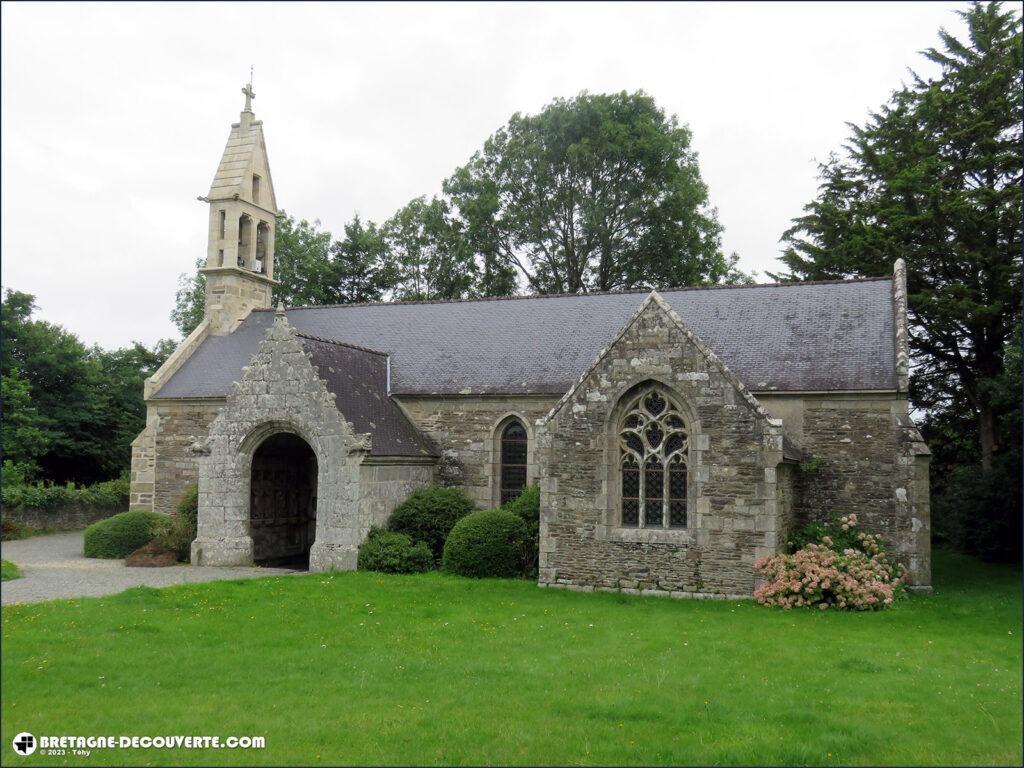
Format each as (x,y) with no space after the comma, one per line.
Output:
(336,342)
(632,291)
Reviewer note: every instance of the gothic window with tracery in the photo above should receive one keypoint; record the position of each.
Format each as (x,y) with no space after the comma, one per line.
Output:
(653,444)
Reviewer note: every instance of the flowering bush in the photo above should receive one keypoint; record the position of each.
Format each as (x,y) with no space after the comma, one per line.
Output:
(846,568)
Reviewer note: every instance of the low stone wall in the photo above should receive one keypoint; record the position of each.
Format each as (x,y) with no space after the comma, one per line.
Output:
(72,517)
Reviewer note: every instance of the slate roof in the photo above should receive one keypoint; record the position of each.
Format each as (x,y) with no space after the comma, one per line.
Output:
(788,337)
(358,380)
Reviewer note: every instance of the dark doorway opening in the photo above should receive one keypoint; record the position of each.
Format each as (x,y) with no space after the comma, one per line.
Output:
(282,501)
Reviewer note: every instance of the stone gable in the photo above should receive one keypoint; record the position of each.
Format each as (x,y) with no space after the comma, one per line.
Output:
(735,447)
(279,391)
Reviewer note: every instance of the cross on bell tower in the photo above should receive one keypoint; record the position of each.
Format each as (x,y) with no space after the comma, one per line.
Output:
(250,94)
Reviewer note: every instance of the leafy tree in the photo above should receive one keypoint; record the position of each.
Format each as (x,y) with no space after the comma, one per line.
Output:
(427,256)
(121,409)
(598,192)
(62,379)
(190,300)
(303,263)
(359,272)
(934,177)
(74,410)
(24,435)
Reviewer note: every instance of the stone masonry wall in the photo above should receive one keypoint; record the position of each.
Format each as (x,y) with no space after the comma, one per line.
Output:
(68,518)
(735,448)
(143,467)
(868,461)
(176,425)
(382,487)
(464,428)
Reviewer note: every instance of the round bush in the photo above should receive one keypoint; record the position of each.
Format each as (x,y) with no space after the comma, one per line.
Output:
(122,534)
(390,552)
(429,514)
(492,542)
(526,506)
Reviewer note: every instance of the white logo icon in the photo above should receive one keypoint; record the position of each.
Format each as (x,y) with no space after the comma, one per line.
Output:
(24,744)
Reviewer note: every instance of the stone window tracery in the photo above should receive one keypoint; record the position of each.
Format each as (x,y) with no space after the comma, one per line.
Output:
(653,443)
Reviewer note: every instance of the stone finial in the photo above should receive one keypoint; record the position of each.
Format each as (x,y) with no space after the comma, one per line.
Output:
(279,312)
(900,323)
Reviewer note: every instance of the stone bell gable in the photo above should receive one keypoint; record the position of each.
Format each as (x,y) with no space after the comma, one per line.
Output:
(279,391)
(732,504)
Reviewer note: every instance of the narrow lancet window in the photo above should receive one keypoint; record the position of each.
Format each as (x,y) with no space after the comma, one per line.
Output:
(513,460)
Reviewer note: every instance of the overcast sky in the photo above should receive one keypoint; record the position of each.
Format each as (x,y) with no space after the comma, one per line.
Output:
(114,116)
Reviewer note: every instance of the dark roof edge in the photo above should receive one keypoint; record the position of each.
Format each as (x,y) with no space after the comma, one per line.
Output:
(637,291)
(337,343)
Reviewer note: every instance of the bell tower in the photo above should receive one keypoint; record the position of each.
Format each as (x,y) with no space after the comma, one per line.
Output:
(243,212)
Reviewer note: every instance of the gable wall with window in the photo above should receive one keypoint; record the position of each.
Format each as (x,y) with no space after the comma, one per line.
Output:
(733,452)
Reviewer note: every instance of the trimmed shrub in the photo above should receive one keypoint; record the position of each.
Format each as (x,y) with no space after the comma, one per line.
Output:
(122,534)
(845,568)
(390,552)
(526,506)
(491,542)
(429,514)
(181,530)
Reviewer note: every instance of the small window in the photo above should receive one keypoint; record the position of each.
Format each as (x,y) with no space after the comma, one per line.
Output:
(220,257)
(513,460)
(255,188)
(223,223)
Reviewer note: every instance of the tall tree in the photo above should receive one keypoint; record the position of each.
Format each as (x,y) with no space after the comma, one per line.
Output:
(934,177)
(189,300)
(71,411)
(358,267)
(121,409)
(428,258)
(598,192)
(25,438)
(303,263)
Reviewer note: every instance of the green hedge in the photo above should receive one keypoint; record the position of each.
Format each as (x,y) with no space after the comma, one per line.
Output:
(491,542)
(122,534)
(111,494)
(429,514)
(391,552)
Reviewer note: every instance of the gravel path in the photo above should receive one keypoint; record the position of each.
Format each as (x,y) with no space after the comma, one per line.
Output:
(53,567)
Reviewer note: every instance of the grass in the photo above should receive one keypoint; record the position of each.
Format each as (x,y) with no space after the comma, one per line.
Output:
(8,571)
(361,668)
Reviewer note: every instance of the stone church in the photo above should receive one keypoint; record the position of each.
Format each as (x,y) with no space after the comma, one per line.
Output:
(677,436)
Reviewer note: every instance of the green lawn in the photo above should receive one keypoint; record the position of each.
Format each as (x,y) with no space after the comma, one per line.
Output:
(369,669)
(8,570)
